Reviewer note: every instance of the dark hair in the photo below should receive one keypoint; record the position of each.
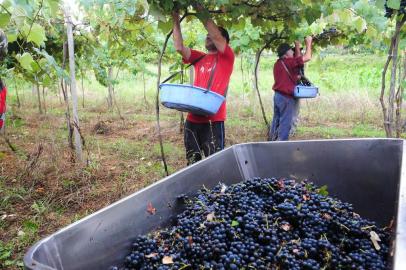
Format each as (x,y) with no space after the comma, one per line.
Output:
(282,49)
(224,33)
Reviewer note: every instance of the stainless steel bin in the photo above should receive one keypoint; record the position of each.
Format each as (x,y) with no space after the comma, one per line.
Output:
(369,173)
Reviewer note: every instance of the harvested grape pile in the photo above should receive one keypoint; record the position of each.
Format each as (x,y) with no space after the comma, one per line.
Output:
(264,224)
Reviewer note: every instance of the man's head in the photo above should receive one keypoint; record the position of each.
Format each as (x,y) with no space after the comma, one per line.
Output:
(209,43)
(3,44)
(285,51)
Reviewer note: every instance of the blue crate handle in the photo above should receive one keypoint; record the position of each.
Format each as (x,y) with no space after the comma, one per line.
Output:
(209,83)
(176,73)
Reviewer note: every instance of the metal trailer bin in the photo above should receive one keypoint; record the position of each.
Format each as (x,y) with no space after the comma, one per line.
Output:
(369,173)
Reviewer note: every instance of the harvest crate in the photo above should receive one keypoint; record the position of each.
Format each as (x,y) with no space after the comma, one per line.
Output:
(188,98)
(369,173)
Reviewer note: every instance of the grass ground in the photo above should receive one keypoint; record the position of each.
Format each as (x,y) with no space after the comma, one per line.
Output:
(42,190)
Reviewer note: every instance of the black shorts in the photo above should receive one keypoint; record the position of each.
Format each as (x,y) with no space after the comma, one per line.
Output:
(206,137)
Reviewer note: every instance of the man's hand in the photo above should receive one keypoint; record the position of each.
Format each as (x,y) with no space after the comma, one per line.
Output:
(198,6)
(308,40)
(202,13)
(297,48)
(308,54)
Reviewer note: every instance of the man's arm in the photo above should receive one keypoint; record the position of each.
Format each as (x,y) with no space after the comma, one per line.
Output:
(308,54)
(177,38)
(212,29)
(298,52)
(215,35)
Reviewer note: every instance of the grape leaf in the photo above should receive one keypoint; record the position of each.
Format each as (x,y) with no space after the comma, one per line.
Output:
(210,217)
(327,216)
(4,20)
(323,190)
(25,60)
(167,260)
(360,24)
(37,34)
(53,6)
(223,189)
(375,239)
(312,15)
(19,16)
(345,16)
(152,255)
(380,4)
(150,209)
(165,27)
(371,32)
(156,13)
(12,36)
(393,4)
(286,227)
(203,15)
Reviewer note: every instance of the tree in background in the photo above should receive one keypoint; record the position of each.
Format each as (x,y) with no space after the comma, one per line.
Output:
(396,12)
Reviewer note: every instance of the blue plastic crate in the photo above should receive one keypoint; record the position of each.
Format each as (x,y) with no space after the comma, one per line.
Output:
(302,91)
(187,98)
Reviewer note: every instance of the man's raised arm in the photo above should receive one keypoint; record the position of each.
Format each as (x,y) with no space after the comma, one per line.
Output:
(177,38)
(298,51)
(212,29)
(308,54)
(215,35)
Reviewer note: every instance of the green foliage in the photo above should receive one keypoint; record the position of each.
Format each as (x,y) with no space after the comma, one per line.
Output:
(127,34)
(119,33)
(26,24)
(268,23)
(6,256)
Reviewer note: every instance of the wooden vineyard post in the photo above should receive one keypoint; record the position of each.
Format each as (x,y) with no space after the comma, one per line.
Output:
(78,140)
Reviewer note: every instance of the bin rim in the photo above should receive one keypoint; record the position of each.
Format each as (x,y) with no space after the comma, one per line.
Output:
(192,87)
(29,260)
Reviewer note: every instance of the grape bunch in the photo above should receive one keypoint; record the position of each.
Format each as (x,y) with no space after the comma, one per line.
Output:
(328,36)
(263,224)
(389,11)
(327,33)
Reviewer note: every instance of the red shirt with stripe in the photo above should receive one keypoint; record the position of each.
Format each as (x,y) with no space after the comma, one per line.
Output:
(220,81)
(283,83)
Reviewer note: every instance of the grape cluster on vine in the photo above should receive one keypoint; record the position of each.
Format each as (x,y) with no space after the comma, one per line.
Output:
(264,224)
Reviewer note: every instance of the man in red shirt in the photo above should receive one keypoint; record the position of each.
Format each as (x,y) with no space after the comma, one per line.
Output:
(286,76)
(212,70)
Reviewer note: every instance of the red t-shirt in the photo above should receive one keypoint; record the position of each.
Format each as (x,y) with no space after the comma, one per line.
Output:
(3,94)
(283,83)
(220,81)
